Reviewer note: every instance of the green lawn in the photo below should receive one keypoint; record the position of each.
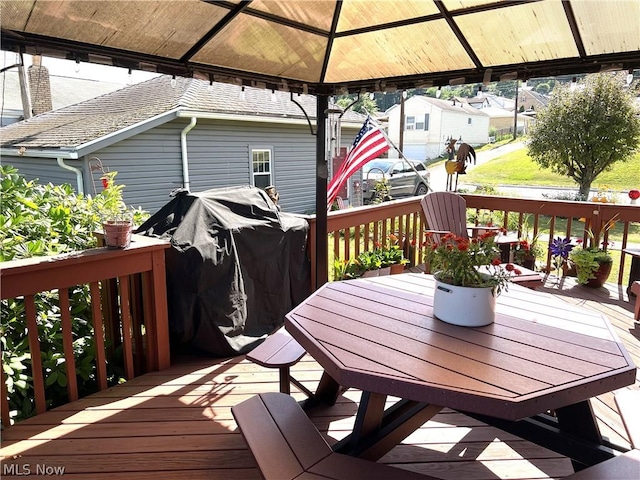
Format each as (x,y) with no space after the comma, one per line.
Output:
(517,168)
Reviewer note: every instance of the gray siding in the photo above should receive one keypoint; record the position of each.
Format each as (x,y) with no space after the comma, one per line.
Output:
(45,170)
(219,157)
(150,163)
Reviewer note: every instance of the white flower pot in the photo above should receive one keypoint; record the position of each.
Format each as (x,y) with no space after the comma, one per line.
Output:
(464,306)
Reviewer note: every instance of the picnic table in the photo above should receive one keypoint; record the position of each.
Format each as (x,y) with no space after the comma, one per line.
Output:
(540,356)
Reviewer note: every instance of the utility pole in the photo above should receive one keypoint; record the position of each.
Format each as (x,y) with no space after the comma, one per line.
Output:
(24,92)
(401,138)
(515,113)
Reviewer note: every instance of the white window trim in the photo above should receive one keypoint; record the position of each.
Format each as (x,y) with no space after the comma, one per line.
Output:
(252,176)
(409,125)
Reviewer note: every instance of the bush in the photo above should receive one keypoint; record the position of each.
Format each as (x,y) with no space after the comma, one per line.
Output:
(40,220)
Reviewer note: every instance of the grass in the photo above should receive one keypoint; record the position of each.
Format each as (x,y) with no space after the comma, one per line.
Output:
(517,168)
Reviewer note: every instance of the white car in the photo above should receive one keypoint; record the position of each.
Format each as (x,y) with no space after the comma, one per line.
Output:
(402,179)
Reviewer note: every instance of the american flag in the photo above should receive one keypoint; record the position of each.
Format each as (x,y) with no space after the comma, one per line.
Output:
(370,143)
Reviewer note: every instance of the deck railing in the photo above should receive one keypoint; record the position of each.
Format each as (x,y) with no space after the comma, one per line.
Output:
(128,287)
(128,305)
(356,229)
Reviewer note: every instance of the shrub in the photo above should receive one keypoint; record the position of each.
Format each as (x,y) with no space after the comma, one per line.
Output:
(40,220)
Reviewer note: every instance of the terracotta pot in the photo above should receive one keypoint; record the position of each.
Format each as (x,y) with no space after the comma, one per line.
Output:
(377,273)
(602,274)
(529,262)
(569,269)
(397,268)
(117,234)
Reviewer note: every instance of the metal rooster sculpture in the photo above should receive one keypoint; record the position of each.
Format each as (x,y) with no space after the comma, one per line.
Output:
(465,154)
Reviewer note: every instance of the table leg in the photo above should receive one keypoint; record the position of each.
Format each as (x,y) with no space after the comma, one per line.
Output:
(327,393)
(579,420)
(573,432)
(377,431)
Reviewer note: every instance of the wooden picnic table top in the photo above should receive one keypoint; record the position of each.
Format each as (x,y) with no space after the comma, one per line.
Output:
(379,335)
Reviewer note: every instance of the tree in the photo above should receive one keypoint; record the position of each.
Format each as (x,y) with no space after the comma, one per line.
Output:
(543,88)
(584,130)
(364,105)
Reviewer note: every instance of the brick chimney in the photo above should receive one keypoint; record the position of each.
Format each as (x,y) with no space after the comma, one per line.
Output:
(39,87)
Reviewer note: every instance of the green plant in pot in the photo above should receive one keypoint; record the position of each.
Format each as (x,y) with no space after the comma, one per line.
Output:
(116,217)
(391,255)
(593,262)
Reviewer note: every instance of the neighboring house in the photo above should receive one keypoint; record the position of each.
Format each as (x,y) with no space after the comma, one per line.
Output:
(502,120)
(166,133)
(45,92)
(529,100)
(429,122)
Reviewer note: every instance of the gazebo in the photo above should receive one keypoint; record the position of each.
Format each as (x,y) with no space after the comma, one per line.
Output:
(333,47)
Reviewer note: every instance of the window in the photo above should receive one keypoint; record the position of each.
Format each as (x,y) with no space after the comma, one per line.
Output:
(410,123)
(261,171)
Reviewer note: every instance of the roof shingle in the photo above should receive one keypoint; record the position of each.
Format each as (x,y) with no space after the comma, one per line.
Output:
(78,124)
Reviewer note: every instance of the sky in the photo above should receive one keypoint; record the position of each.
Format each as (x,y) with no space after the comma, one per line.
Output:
(69,68)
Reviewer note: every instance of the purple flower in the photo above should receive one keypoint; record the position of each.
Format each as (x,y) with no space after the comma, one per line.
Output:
(561,247)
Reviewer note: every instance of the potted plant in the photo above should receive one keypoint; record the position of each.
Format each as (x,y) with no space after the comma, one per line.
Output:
(116,217)
(527,252)
(391,255)
(468,276)
(346,269)
(593,262)
(369,264)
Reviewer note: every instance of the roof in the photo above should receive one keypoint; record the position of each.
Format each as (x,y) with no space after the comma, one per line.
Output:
(332,45)
(69,128)
(65,91)
(542,100)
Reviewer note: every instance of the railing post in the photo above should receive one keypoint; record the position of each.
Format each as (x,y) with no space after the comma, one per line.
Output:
(311,241)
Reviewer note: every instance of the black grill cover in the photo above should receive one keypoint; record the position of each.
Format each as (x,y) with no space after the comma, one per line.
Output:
(237,265)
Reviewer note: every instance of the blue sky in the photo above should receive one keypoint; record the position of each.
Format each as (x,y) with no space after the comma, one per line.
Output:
(61,67)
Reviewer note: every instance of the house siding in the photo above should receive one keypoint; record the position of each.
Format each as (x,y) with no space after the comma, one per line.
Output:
(443,122)
(219,153)
(149,164)
(44,170)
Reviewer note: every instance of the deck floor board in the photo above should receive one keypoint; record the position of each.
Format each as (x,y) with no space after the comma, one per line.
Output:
(177,424)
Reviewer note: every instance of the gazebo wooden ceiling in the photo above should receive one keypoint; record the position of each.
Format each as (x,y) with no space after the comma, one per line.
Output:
(326,47)
(329,46)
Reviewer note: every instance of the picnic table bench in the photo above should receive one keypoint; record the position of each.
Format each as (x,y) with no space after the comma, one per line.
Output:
(280,351)
(635,289)
(626,465)
(286,445)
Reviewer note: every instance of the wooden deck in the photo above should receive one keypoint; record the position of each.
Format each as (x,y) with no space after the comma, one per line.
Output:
(177,424)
